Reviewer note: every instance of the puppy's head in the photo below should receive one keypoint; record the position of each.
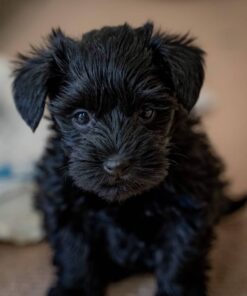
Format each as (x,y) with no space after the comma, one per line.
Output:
(112,96)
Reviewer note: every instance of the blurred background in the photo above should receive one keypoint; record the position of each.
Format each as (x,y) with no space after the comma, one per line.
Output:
(220,26)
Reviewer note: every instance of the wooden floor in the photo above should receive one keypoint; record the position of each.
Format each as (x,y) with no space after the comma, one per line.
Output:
(221,29)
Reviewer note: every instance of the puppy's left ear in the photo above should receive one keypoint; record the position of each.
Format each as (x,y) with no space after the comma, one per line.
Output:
(182,63)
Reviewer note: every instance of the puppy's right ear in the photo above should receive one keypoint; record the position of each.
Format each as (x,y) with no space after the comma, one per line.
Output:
(33,75)
(30,85)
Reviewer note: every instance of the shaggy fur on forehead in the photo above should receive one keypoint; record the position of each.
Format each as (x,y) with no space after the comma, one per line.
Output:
(114,66)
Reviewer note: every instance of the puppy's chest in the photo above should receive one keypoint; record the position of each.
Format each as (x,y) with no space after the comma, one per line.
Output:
(129,237)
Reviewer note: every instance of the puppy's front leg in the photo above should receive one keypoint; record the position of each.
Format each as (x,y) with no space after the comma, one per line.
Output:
(181,256)
(78,269)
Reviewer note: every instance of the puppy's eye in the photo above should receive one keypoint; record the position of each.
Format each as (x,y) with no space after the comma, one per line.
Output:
(147,115)
(81,117)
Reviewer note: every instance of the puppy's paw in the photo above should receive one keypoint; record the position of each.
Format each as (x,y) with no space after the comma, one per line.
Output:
(172,291)
(56,291)
(59,291)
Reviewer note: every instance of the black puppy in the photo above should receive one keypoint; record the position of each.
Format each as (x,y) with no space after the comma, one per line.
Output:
(128,182)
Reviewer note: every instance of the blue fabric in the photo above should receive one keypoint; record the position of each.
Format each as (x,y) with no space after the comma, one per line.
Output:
(6,171)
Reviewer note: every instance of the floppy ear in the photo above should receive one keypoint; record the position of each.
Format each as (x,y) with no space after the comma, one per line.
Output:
(30,86)
(182,63)
(34,73)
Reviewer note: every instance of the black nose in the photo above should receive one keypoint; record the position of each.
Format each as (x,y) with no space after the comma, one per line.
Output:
(116,166)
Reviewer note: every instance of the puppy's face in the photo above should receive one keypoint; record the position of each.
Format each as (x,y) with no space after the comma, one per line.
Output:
(112,96)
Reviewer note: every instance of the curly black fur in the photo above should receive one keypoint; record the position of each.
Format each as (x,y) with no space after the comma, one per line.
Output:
(157,214)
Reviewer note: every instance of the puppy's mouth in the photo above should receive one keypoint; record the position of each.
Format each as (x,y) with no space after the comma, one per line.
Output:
(116,188)
(116,181)
(114,193)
